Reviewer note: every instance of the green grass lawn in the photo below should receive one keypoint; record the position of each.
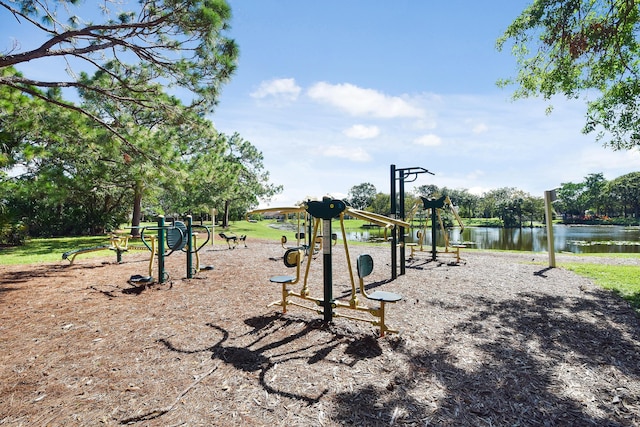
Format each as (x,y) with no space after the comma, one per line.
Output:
(51,249)
(623,280)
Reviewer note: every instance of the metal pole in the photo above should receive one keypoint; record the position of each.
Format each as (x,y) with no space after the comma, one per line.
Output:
(326,210)
(550,196)
(434,218)
(161,275)
(327,270)
(392,214)
(401,231)
(189,247)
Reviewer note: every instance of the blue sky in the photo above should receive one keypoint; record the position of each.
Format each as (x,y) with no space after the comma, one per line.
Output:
(334,92)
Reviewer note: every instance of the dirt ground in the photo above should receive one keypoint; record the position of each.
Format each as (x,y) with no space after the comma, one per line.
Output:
(497,340)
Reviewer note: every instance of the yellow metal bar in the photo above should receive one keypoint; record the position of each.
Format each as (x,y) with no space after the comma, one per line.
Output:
(377,218)
(152,258)
(305,287)
(448,201)
(354,298)
(275,210)
(444,233)
(195,245)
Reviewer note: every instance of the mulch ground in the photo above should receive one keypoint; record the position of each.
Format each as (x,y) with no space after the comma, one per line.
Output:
(497,340)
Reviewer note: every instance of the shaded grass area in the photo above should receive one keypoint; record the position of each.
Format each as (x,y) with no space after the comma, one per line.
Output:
(49,249)
(623,280)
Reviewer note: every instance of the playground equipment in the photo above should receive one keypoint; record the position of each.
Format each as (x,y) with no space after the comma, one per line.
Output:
(434,208)
(71,255)
(299,237)
(233,240)
(302,217)
(400,175)
(169,239)
(117,243)
(322,212)
(307,247)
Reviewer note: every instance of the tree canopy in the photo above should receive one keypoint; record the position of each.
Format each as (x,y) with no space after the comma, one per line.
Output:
(360,196)
(574,47)
(147,72)
(172,43)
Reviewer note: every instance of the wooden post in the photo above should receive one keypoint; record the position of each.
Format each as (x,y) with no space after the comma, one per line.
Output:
(550,196)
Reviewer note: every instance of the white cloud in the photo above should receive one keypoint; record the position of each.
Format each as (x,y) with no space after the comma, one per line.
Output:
(480,128)
(279,88)
(427,123)
(362,132)
(594,157)
(357,154)
(474,175)
(428,140)
(478,191)
(363,102)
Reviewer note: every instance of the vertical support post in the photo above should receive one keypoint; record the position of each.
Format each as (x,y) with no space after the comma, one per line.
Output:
(189,247)
(550,196)
(401,230)
(327,270)
(161,233)
(392,214)
(434,219)
(326,210)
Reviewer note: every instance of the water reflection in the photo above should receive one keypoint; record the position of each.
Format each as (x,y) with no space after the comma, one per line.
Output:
(576,239)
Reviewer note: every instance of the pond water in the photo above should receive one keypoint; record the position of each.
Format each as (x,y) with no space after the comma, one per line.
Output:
(567,238)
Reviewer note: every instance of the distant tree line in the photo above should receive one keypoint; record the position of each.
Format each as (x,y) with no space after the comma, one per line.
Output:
(594,200)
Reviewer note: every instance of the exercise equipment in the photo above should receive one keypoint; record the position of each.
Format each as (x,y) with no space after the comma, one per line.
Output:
(233,240)
(117,243)
(322,213)
(435,207)
(169,239)
(402,176)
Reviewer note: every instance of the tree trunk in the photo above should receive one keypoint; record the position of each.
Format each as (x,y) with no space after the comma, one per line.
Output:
(225,218)
(137,210)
